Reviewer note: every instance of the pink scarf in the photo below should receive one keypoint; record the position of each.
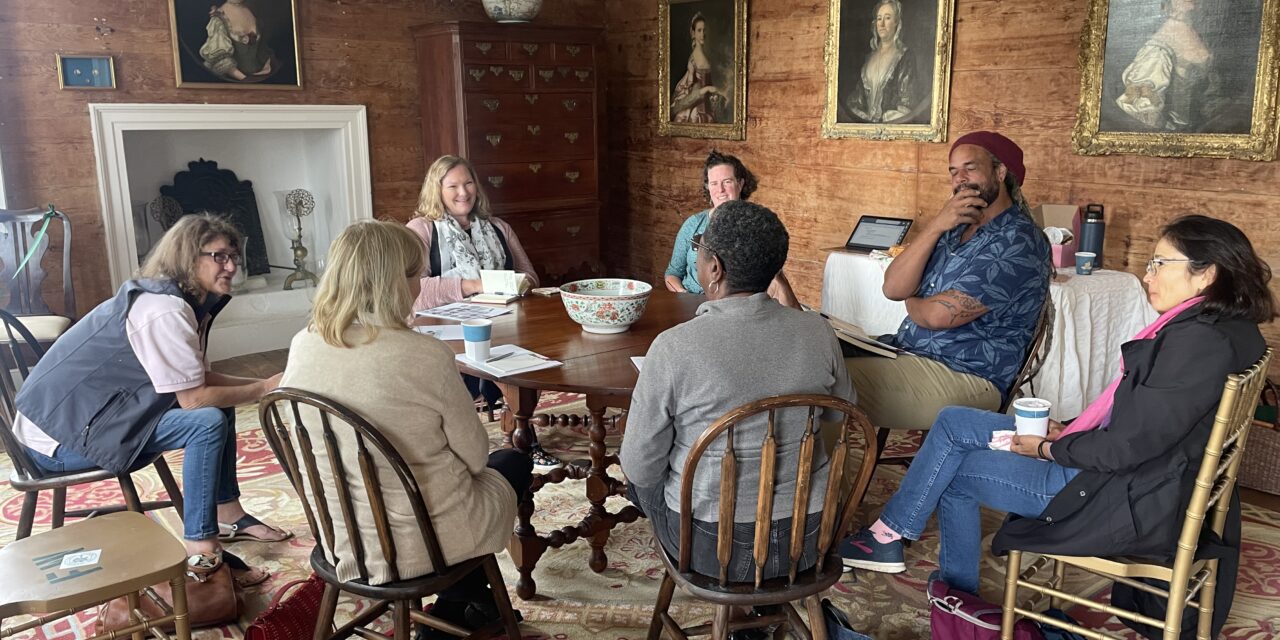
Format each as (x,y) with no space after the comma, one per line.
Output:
(1099,409)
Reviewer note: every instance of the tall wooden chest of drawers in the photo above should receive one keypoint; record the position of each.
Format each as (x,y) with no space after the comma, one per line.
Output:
(524,104)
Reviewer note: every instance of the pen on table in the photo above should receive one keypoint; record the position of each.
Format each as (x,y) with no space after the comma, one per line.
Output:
(497,358)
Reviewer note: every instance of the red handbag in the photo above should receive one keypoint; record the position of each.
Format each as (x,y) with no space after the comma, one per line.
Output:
(292,617)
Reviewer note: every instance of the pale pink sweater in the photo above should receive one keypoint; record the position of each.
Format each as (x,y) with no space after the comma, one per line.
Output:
(437,291)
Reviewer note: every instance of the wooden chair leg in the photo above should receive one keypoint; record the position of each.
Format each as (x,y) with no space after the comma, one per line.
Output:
(28,517)
(502,598)
(720,624)
(665,592)
(403,627)
(130,492)
(134,607)
(1204,625)
(170,485)
(817,622)
(1013,565)
(328,605)
(181,619)
(59,507)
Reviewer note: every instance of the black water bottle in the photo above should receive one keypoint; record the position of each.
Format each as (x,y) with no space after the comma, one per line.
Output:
(1092,230)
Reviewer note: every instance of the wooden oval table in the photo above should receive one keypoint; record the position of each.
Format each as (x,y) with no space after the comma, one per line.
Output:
(597,366)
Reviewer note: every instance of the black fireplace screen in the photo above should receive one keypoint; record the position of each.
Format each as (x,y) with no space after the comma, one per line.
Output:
(206,188)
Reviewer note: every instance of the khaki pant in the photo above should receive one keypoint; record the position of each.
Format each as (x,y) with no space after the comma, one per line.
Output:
(909,391)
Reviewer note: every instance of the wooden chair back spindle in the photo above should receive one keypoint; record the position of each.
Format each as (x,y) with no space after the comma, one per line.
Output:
(372,450)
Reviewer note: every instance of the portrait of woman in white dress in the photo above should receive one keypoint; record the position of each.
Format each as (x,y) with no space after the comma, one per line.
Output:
(230,42)
(886,88)
(1180,66)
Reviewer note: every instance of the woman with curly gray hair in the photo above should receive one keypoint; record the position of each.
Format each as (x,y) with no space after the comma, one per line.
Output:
(742,345)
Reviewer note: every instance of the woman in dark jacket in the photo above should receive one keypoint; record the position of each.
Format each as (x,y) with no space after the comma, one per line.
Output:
(1117,478)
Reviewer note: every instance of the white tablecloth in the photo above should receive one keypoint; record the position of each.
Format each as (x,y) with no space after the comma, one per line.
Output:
(1093,316)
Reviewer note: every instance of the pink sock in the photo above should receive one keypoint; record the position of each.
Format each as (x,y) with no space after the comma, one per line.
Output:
(883,533)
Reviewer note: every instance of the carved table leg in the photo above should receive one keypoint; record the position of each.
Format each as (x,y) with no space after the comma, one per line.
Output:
(598,485)
(526,546)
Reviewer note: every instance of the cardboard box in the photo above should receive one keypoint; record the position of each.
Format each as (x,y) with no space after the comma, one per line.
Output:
(1066,216)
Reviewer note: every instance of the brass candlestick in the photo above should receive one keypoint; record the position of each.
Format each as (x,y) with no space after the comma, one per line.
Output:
(299,203)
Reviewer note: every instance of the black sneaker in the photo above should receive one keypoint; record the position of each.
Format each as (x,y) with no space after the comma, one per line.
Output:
(861,550)
(542,460)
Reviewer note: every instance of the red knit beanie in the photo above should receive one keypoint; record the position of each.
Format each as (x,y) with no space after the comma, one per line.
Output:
(1004,149)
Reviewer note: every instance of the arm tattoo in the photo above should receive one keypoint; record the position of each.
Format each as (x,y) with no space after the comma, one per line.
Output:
(962,307)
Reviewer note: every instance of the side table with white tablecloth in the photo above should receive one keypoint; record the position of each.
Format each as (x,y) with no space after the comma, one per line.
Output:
(1093,316)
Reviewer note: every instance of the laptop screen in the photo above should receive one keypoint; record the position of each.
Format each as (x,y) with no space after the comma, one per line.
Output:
(874,232)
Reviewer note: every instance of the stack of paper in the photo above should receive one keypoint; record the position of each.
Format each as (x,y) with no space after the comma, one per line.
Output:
(463,311)
(508,359)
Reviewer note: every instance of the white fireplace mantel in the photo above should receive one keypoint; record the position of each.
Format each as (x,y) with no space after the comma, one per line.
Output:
(110,123)
(266,318)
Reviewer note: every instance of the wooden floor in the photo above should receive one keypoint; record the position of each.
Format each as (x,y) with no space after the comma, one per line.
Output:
(269,363)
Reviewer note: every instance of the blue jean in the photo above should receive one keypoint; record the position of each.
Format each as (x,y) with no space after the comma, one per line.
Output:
(208,439)
(954,473)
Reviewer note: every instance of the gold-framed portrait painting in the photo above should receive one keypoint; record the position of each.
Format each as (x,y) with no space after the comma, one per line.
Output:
(235,43)
(1179,78)
(888,66)
(702,68)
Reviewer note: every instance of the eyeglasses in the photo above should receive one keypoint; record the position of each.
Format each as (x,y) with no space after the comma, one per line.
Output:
(223,257)
(697,243)
(1155,263)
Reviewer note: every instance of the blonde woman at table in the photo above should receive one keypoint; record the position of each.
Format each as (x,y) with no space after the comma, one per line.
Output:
(724,179)
(461,237)
(358,333)
(1109,483)
(696,372)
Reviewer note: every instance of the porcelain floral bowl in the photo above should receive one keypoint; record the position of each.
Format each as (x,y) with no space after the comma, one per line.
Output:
(512,10)
(605,305)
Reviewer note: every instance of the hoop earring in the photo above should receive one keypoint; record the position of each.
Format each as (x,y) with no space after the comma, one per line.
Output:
(714,287)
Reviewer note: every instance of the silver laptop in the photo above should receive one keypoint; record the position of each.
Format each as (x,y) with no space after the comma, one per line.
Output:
(877,232)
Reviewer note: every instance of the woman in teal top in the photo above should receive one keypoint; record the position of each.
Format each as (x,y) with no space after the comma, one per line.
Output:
(724,178)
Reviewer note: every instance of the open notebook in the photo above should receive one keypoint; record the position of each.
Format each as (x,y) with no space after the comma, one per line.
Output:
(508,359)
(854,335)
(501,287)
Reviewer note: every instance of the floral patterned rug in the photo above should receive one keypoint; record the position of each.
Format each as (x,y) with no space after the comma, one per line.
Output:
(574,602)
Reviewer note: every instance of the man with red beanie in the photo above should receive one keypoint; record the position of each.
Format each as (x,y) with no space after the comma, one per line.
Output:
(973,280)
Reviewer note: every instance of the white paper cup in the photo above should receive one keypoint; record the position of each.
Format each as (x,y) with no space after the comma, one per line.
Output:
(1031,416)
(478,350)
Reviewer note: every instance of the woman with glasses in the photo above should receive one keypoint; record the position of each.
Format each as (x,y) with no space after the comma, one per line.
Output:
(742,346)
(157,394)
(1114,481)
(724,179)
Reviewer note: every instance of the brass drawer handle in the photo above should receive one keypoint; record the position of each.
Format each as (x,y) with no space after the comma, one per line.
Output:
(535,167)
(531,98)
(537,226)
(496,69)
(529,48)
(494,138)
(496,181)
(490,103)
(484,47)
(572,137)
(478,74)
(573,49)
(582,74)
(572,175)
(564,71)
(516,74)
(547,74)
(570,105)
(573,231)
(534,129)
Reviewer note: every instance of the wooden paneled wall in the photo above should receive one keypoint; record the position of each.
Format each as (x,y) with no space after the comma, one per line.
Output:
(353,52)
(1014,70)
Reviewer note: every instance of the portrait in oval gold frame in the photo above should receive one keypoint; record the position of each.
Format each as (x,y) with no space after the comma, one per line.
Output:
(702,68)
(1176,78)
(888,68)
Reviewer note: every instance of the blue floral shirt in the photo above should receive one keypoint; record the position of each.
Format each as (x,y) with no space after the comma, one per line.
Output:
(1006,267)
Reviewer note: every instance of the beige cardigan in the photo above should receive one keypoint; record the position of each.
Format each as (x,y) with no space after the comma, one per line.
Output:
(406,385)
